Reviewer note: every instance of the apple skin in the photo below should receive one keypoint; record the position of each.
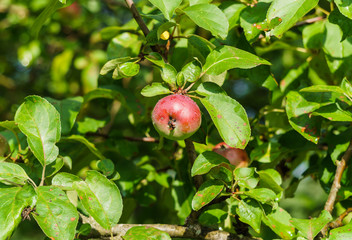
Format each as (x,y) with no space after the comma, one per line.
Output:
(236,156)
(176,117)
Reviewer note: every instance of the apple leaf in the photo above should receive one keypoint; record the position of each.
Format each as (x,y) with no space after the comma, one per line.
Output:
(250,212)
(245,177)
(166,7)
(209,17)
(209,88)
(143,232)
(13,201)
(155,89)
(226,57)
(11,173)
(65,180)
(278,221)
(206,161)
(311,227)
(345,7)
(87,143)
(40,122)
(230,119)
(341,232)
(101,198)
(56,215)
(68,109)
(290,11)
(209,190)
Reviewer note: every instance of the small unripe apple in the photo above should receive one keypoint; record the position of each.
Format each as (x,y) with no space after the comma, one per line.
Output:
(236,156)
(4,146)
(176,117)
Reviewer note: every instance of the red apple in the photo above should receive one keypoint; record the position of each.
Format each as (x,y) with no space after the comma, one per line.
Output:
(236,156)
(176,117)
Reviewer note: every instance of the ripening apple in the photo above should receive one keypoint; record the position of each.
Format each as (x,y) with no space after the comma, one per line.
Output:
(236,156)
(176,117)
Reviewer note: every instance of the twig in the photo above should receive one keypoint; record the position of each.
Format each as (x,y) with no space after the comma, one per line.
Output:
(174,231)
(43,176)
(198,180)
(340,167)
(141,23)
(143,139)
(310,20)
(191,152)
(338,222)
(137,17)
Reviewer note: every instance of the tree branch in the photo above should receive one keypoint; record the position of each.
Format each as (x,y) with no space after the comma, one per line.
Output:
(310,20)
(191,152)
(340,167)
(142,139)
(141,23)
(338,222)
(175,231)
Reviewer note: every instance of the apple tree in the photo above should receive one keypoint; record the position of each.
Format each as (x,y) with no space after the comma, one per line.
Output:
(175,119)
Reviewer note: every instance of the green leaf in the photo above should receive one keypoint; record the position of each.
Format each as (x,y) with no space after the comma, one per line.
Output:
(341,232)
(345,7)
(266,152)
(314,35)
(165,27)
(101,198)
(209,17)
(278,221)
(90,125)
(68,109)
(209,88)
(156,58)
(298,112)
(143,232)
(250,16)
(12,173)
(168,74)
(206,161)
(263,195)
(230,119)
(155,89)
(126,70)
(346,86)
(250,213)
(106,166)
(344,23)
(270,178)
(208,191)
(212,217)
(199,47)
(10,125)
(13,201)
(166,7)
(334,48)
(245,177)
(57,217)
(65,180)
(191,71)
(49,10)
(227,57)
(232,11)
(40,122)
(290,11)
(104,93)
(124,45)
(112,64)
(311,227)
(87,143)
(222,173)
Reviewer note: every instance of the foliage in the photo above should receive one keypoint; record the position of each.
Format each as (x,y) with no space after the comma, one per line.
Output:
(79,80)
